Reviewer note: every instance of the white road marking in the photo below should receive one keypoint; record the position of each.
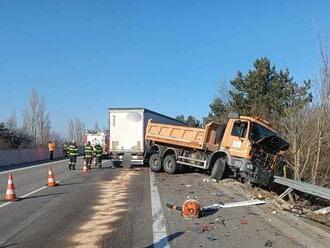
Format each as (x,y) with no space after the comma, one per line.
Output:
(33,166)
(26,195)
(159,232)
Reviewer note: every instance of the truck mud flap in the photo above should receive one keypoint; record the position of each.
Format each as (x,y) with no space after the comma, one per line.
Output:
(127,160)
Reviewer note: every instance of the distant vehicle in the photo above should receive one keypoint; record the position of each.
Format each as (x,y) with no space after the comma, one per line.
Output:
(244,147)
(127,132)
(98,138)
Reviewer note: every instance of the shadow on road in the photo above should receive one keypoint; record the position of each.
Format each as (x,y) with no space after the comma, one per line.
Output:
(66,184)
(37,196)
(206,213)
(164,241)
(9,245)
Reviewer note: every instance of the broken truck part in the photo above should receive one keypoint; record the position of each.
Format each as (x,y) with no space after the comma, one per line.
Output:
(244,147)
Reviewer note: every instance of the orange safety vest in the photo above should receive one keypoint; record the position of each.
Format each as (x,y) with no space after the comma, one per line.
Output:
(51,147)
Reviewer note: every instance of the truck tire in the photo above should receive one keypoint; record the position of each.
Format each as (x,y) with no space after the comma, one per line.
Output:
(219,168)
(155,162)
(170,165)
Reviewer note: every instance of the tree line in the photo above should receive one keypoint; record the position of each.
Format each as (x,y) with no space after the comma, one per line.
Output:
(301,118)
(35,128)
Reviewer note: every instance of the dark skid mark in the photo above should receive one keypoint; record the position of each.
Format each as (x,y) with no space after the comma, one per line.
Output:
(161,243)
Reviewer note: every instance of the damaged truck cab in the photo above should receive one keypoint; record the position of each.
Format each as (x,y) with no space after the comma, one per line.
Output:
(244,147)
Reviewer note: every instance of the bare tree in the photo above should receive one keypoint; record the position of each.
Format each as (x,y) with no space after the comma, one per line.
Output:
(43,122)
(36,119)
(71,130)
(323,109)
(76,131)
(297,126)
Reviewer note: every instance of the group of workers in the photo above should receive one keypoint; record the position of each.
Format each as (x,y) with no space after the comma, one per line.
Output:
(90,152)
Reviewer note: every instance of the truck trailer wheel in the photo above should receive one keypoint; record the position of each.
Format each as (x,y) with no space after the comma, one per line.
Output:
(219,168)
(155,162)
(170,165)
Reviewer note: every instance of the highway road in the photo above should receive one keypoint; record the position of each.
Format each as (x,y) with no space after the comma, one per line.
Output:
(116,207)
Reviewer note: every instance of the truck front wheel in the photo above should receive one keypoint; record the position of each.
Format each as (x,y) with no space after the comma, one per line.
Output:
(169,164)
(219,168)
(155,162)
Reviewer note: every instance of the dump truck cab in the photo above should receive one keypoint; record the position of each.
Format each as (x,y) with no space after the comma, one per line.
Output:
(245,139)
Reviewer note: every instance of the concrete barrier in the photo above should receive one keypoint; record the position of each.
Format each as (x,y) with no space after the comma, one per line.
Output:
(22,156)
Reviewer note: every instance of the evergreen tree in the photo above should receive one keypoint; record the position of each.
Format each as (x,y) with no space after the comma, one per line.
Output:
(218,111)
(180,118)
(266,92)
(191,120)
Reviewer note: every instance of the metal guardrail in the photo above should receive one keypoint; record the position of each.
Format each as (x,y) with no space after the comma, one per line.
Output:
(304,187)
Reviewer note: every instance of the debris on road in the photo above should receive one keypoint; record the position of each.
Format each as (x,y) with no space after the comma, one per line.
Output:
(211,237)
(269,243)
(174,207)
(218,194)
(244,222)
(207,180)
(192,209)
(233,204)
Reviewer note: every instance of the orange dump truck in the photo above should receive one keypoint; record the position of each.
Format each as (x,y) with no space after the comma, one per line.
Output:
(244,147)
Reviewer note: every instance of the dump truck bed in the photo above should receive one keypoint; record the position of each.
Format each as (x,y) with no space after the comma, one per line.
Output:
(189,137)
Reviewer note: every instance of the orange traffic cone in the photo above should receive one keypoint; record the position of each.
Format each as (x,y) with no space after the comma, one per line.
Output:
(51,178)
(10,192)
(85,169)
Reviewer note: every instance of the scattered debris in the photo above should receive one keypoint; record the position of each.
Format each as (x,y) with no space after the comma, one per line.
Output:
(233,204)
(207,180)
(205,228)
(211,237)
(218,194)
(220,222)
(244,222)
(274,212)
(192,209)
(260,196)
(269,243)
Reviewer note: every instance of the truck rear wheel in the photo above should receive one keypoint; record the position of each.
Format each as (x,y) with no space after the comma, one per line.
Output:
(155,162)
(219,168)
(170,165)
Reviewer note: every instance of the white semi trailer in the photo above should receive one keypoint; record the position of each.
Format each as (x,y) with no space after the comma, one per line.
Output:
(127,132)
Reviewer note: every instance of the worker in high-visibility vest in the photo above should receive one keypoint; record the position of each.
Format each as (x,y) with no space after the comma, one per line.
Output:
(98,152)
(73,154)
(88,154)
(51,149)
(65,148)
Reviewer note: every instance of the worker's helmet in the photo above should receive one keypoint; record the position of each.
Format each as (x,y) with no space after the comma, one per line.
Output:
(191,209)
(73,142)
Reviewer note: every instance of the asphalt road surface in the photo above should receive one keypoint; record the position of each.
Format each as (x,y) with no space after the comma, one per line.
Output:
(116,207)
